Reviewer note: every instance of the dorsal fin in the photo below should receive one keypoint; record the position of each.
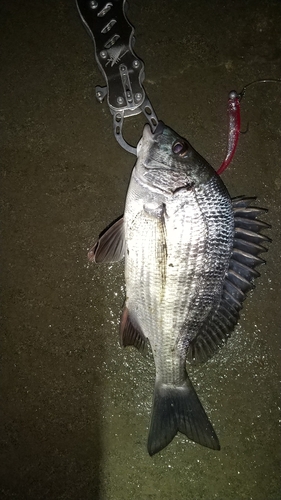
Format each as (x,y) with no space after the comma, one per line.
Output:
(239,280)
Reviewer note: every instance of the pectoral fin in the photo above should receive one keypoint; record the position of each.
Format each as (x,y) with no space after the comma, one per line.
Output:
(110,246)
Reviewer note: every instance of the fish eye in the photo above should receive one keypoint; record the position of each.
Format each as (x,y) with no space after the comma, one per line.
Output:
(180,148)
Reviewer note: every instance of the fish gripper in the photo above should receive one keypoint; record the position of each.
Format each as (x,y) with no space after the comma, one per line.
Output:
(113,37)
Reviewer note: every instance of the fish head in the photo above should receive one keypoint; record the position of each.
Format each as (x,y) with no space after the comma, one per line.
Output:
(168,162)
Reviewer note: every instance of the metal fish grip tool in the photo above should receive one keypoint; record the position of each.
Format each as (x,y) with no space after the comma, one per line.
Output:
(113,37)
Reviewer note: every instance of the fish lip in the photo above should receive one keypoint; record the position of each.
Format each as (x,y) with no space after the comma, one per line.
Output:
(159,129)
(149,135)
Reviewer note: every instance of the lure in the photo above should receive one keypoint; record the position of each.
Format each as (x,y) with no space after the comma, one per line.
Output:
(234,122)
(234,125)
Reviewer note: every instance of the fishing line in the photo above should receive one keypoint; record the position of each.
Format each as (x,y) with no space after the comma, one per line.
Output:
(266,80)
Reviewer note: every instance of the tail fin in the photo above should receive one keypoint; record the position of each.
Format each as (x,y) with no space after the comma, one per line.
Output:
(179,409)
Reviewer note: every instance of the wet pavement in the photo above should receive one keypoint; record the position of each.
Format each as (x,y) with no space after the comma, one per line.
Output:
(75,407)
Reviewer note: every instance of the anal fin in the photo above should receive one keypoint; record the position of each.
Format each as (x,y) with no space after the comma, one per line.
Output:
(130,333)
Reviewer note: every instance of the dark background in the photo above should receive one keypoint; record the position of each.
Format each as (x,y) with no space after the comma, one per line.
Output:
(75,408)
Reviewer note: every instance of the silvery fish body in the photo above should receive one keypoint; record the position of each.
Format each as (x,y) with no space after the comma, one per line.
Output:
(190,256)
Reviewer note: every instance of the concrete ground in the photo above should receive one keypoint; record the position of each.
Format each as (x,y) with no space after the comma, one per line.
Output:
(75,407)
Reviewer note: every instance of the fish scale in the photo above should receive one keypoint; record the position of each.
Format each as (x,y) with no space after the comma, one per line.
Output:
(217,211)
(191,278)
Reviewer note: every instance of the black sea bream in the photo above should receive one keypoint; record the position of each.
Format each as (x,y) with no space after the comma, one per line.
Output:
(190,257)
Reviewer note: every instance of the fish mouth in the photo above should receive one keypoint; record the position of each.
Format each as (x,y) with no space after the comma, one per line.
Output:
(149,135)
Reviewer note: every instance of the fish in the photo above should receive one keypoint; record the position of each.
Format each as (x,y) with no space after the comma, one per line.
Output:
(191,254)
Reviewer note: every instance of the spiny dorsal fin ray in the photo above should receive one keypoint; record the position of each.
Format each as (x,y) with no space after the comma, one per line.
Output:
(251,212)
(250,236)
(246,258)
(242,201)
(247,246)
(249,223)
(239,280)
